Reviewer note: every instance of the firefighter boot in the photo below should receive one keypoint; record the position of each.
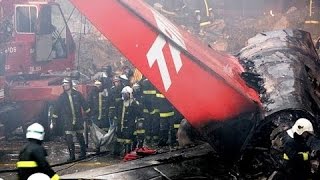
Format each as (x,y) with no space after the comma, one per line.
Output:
(127,148)
(154,141)
(82,145)
(134,144)
(148,140)
(71,147)
(140,141)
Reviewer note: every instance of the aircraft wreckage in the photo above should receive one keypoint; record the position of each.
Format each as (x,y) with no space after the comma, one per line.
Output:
(245,100)
(237,105)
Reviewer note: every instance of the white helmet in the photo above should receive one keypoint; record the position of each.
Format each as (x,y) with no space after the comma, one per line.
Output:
(35,131)
(66,81)
(37,176)
(124,77)
(97,83)
(127,89)
(302,125)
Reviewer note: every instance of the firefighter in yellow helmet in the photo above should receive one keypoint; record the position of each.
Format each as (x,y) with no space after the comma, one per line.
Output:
(32,159)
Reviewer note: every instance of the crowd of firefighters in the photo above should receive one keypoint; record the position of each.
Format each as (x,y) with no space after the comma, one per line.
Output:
(140,113)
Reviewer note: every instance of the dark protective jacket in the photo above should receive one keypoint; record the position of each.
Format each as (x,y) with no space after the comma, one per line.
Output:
(165,107)
(297,163)
(203,7)
(149,95)
(71,112)
(199,5)
(99,107)
(129,117)
(32,159)
(107,83)
(115,101)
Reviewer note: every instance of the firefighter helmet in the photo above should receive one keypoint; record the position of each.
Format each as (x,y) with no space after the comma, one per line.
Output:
(35,131)
(37,176)
(124,77)
(127,93)
(302,125)
(97,83)
(66,81)
(127,89)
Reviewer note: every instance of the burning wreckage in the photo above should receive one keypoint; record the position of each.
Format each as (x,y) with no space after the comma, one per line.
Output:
(282,66)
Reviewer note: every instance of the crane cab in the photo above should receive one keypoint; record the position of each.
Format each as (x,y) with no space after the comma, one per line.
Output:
(35,37)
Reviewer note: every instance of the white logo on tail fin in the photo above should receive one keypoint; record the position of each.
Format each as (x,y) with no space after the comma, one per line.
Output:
(155,53)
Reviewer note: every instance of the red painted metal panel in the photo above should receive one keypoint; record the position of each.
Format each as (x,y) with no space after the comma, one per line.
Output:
(20,48)
(203,84)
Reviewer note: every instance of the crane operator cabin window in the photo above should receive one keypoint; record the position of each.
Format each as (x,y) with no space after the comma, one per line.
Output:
(25,19)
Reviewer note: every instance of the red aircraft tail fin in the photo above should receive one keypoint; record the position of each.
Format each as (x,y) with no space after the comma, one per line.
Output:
(201,83)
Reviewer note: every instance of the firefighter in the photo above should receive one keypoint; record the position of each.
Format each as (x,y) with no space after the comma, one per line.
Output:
(174,125)
(106,78)
(127,76)
(150,112)
(32,159)
(69,108)
(99,106)
(166,114)
(130,130)
(124,80)
(296,153)
(75,77)
(137,94)
(115,99)
(201,10)
(114,108)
